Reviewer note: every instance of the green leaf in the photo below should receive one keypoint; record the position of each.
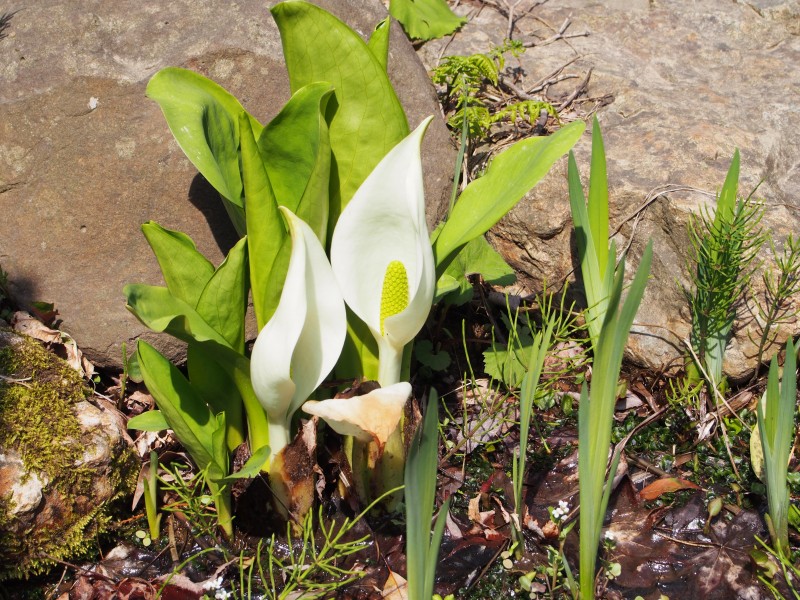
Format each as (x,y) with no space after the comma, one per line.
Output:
(366,120)
(186,271)
(204,118)
(219,467)
(182,408)
(152,420)
(251,468)
(422,549)
(223,302)
(213,382)
(727,195)
(509,364)
(509,177)
(359,356)
(425,19)
(476,258)
(295,148)
(596,282)
(436,361)
(379,42)
(159,310)
(598,198)
(268,239)
(596,412)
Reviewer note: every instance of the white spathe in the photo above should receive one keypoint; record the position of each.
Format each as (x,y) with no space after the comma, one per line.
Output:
(301,343)
(371,417)
(384,223)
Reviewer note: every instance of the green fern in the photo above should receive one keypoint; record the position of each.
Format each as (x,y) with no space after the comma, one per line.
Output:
(466,77)
(526,110)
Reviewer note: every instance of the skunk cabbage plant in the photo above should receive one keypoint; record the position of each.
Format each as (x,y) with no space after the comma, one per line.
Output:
(381,253)
(300,344)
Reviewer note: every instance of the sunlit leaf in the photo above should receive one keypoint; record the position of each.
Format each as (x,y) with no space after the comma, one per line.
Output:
(510,176)
(425,19)
(367,118)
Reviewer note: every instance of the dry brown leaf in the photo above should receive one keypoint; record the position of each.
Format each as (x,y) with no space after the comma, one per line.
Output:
(666,485)
(396,588)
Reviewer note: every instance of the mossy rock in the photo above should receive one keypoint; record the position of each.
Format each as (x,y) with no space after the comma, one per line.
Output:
(63,460)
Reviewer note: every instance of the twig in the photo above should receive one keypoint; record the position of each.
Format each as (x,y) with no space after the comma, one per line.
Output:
(654,195)
(21,382)
(559,35)
(578,91)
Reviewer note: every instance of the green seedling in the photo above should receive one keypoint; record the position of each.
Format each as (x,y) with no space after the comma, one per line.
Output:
(724,250)
(591,231)
(596,414)
(151,497)
(776,430)
(530,383)
(422,546)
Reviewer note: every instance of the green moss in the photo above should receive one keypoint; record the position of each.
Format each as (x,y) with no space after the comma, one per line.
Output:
(38,392)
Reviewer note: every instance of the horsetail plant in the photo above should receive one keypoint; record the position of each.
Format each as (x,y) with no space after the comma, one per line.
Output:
(779,288)
(776,429)
(596,413)
(723,249)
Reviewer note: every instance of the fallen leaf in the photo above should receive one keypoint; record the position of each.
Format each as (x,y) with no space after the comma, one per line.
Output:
(666,485)
(396,588)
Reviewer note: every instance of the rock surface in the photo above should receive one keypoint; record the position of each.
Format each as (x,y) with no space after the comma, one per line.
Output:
(62,459)
(77,182)
(678,85)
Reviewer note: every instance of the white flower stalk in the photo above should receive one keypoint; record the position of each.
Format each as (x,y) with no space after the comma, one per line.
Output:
(301,343)
(372,417)
(381,253)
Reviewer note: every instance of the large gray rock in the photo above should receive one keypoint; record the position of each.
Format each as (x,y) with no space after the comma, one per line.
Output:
(76,183)
(689,81)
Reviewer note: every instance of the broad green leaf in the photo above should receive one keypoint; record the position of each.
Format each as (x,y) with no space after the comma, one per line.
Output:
(251,468)
(186,271)
(184,410)
(204,118)
(366,120)
(269,244)
(425,19)
(510,176)
(297,155)
(379,42)
(223,302)
(476,258)
(152,420)
(214,383)
(160,311)
(598,198)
